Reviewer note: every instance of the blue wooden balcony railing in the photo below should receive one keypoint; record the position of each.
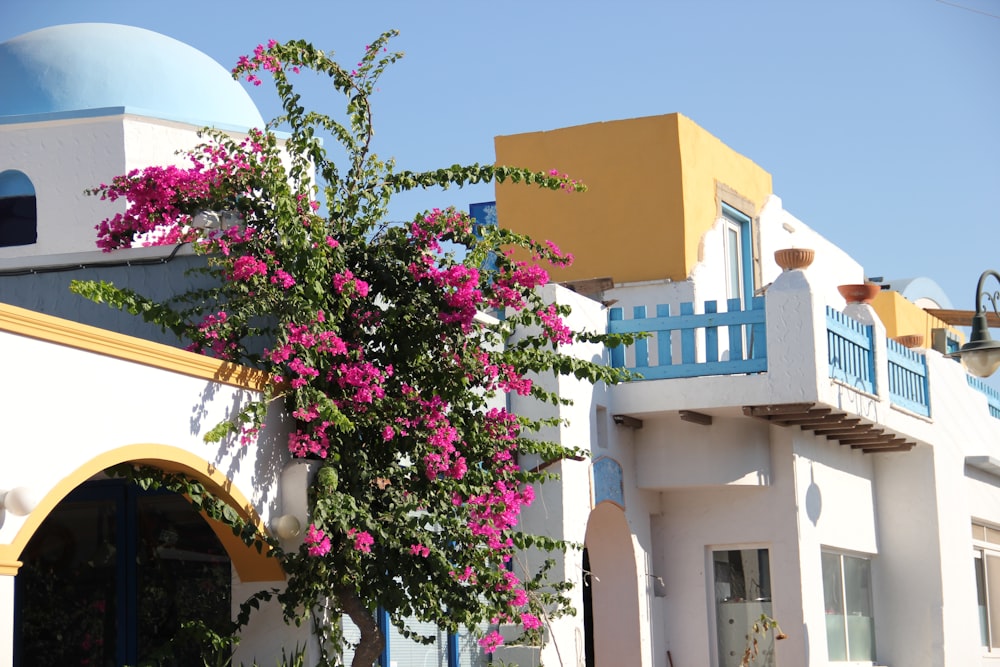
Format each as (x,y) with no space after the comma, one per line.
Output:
(673,337)
(908,379)
(850,350)
(734,342)
(992,395)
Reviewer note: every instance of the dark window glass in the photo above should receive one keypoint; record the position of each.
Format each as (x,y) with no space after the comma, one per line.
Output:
(115,576)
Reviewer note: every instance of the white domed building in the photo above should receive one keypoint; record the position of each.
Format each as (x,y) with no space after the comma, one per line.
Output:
(82,103)
(79,105)
(791,450)
(91,569)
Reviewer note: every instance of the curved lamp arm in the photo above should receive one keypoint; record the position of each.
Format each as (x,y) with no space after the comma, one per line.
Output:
(982,296)
(981,355)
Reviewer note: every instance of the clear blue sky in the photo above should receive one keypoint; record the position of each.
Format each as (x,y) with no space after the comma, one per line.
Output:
(878,119)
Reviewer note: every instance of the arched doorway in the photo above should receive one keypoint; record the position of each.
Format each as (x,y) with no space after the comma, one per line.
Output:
(611,605)
(119,576)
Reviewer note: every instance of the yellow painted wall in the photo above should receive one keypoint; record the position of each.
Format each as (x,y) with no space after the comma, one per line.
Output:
(708,163)
(902,317)
(652,194)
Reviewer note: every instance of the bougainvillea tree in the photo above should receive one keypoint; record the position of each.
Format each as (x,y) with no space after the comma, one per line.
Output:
(390,344)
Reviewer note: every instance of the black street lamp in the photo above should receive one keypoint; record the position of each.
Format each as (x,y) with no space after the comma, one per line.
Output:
(981,355)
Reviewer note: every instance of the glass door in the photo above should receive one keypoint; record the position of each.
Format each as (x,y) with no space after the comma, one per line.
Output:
(117,576)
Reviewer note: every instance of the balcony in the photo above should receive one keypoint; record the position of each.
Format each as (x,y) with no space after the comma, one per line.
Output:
(792,359)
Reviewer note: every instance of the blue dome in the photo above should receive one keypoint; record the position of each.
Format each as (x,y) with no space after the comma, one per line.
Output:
(72,69)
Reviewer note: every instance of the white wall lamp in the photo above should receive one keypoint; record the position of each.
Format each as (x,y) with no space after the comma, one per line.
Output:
(981,355)
(295,480)
(19,501)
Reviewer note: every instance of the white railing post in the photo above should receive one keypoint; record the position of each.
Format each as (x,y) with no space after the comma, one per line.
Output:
(796,337)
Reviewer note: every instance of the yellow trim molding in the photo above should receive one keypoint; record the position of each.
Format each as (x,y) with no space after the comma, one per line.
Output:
(128,348)
(9,569)
(249,565)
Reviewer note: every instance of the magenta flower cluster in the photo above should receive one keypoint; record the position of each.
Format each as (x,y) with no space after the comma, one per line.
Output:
(262,59)
(316,541)
(333,363)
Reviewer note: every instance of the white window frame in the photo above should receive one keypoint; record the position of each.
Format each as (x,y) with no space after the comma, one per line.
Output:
(986,546)
(733,228)
(841,555)
(714,615)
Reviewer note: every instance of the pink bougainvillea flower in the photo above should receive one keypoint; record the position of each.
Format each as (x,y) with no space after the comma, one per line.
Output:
(363,540)
(530,621)
(317,541)
(491,642)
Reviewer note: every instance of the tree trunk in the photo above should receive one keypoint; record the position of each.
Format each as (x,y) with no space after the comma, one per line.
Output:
(372,640)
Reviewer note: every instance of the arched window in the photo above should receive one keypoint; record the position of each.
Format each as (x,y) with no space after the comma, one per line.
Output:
(18,211)
(117,576)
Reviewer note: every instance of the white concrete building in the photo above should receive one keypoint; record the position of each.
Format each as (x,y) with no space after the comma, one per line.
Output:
(764,464)
(782,456)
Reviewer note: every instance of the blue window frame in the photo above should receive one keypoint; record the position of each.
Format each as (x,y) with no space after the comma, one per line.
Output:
(485,215)
(738,246)
(450,650)
(113,575)
(18,210)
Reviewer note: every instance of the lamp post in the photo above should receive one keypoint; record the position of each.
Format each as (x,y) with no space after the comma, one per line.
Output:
(981,355)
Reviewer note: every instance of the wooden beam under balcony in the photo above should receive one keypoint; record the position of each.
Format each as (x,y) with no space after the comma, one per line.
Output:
(898,448)
(696,417)
(875,435)
(963,318)
(841,426)
(768,411)
(834,424)
(886,443)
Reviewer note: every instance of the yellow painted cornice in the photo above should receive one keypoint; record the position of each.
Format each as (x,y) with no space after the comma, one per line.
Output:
(129,348)
(9,568)
(250,564)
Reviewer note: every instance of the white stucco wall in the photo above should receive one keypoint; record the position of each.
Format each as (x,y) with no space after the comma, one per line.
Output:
(67,156)
(832,265)
(63,158)
(910,512)
(88,404)
(68,407)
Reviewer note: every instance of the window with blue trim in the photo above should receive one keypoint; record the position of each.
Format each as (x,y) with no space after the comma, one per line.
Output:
(738,250)
(114,575)
(447,650)
(485,216)
(18,210)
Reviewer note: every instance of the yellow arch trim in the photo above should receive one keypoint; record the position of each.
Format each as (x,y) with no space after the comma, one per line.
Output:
(128,348)
(250,565)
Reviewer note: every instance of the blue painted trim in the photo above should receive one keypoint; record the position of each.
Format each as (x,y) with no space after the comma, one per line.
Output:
(687,335)
(699,369)
(663,340)
(758,330)
(908,385)
(641,346)
(739,323)
(14,183)
(120,111)
(617,354)
(711,334)
(484,214)
(746,248)
(382,618)
(735,333)
(991,393)
(453,655)
(687,320)
(850,350)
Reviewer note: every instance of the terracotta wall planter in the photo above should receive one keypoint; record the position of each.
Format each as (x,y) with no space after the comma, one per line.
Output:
(910,340)
(863,293)
(794,258)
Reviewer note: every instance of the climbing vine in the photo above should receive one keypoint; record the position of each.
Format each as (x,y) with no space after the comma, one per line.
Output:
(391,345)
